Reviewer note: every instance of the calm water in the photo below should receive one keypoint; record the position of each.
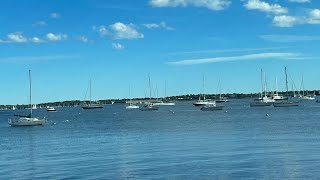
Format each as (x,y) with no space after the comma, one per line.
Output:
(115,143)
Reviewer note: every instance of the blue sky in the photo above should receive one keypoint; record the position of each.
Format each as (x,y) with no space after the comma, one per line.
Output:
(117,43)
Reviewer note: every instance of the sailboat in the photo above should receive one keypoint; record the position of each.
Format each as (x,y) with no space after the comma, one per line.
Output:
(131,105)
(221,99)
(204,101)
(285,102)
(149,106)
(91,105)
(264,100)
(165,101)
(275,95)
(305,96)
(27,120)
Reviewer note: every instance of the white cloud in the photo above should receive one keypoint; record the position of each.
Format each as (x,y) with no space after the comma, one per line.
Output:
(227,50)
(210,4)
(300,1)
(117,46)
(314,17)
(16,37)
(288,38)
(40,23)
(285,21)
(24,59)
(83,39)
(274,55)
(125,31)
(265,7)
(56,37)
(36,40)
(55,15)
(160,25)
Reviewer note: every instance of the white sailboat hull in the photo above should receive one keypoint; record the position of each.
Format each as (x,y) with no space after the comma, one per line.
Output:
(132,107)
(24,121)
(149,107)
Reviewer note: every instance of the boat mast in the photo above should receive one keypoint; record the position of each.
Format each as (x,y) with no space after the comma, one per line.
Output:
(265,85)
(203,80)
(149,87)
(30,96)
(90,92)
(165,90)
(262,86)
(286,73)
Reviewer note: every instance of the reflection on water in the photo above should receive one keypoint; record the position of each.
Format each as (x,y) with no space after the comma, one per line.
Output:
(114,143)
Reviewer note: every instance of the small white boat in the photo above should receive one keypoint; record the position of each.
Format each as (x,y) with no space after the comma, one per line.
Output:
(222,100)
(149,107)
(309,97)
(265,101)
(51,109)
(132,106)
(168,103)
(204,103)
(22,120)
(212,108)
(26,121)
(91,105)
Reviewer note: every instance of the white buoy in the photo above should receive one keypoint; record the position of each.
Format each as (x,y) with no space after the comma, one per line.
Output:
(226,111)
(267,114)
(67,120)
(54,123)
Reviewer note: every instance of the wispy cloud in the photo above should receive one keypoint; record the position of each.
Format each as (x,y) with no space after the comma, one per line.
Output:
(285,21)
(56,37)
(162,25)
(55,15)
(214,5)
(265,7)
(300,1)
(288,38)
(119,30)
(125,31)
(18,37)
(40,24)
(226,50)
(24,59)
(259,56)
(83,39)
(117,46)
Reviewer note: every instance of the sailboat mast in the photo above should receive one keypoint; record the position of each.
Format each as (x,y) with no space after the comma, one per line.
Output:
(90,92)
(286,73)
(165,89)
(262,87)
(149,86)
(30,96)
(265,85)
(204,95)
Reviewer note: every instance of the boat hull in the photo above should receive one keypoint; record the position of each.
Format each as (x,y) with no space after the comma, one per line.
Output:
(92,107)
(222,101)
(149,108)
(285,104)
(27,122)
(260,104)
(212,108)
(132,107)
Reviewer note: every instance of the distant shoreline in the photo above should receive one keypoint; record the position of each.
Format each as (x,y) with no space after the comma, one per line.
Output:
(187,97)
